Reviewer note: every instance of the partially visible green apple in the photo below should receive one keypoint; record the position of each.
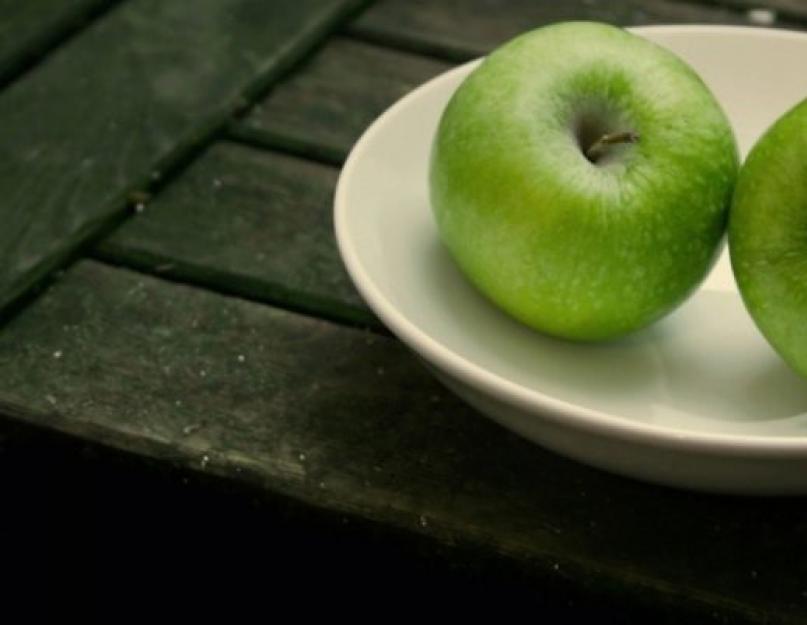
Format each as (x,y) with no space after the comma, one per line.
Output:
(581,178)
(768,235)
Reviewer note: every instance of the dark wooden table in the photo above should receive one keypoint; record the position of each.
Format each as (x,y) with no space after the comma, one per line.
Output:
(170,290)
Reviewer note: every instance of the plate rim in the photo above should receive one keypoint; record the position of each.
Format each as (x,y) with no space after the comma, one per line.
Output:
(507,391)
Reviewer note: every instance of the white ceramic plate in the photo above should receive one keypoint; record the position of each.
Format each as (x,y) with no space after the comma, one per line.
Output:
(698,400)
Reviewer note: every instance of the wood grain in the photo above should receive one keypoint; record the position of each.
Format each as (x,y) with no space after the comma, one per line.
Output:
(351,423)
(248,222)
(463,29)
(137,91)
(323,108)
(29,28)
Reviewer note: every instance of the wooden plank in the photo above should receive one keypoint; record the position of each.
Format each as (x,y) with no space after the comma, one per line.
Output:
(351,423)
(29,28)
(323,108)
(136,92)
(463,29)
(247,222)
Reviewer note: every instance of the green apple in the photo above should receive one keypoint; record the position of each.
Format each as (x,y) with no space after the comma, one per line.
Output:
(768,235)
(581,178)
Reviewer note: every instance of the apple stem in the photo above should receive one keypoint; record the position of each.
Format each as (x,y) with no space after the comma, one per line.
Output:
(595,150)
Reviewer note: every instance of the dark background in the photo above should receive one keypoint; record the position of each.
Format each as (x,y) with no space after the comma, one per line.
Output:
(94,533)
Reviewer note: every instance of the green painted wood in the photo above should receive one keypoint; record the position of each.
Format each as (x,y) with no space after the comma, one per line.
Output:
(136,92)
(29,27)
(463,29)
(322,109)
(247,222)
(259,224)
(349,422)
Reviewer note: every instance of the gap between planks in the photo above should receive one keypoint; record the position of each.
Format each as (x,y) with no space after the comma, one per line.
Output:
(183,153)
(43,44)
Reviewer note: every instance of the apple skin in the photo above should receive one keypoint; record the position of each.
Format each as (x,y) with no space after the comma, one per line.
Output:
(768,236)
(573,248)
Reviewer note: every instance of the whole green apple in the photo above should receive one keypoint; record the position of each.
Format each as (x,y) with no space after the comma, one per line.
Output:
(581,178)
(768,235)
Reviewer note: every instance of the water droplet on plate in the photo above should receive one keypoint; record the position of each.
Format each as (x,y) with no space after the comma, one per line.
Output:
(761,17)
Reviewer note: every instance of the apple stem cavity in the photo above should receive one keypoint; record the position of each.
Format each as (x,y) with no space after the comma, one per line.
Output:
(597,149)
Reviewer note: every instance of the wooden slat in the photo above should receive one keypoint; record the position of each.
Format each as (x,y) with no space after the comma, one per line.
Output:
(136,91)
(323,108)
(29,27)
(247,222)
(351,423)
(463,29)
